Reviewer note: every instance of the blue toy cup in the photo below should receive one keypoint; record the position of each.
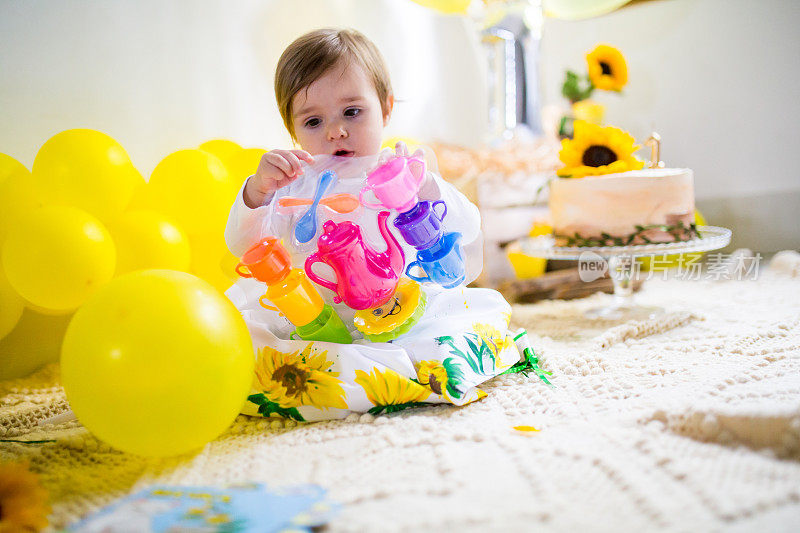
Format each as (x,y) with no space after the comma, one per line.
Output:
(443,263)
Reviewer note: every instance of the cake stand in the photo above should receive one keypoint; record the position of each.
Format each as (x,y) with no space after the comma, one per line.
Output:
(620,263)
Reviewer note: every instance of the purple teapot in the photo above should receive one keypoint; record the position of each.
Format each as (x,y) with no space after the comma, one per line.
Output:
(364,278)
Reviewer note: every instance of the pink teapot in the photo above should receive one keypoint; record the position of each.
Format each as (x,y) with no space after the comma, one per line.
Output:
(364,278)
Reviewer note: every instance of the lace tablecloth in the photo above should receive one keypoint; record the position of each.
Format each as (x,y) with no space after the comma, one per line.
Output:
(686,423)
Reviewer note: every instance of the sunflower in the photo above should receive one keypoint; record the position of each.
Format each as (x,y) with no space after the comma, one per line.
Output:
(597,150)
(23,501)
(299,378)
(607,68)
(390,388)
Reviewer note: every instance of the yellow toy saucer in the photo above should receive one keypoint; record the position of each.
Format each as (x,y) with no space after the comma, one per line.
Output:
(394,318)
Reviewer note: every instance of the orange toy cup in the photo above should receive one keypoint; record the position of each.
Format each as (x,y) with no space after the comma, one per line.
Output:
(295,297)
(267,261)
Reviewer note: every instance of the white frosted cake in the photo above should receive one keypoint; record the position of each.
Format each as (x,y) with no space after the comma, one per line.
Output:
(637,207)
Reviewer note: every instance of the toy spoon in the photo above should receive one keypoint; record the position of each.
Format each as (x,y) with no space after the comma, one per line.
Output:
(341,203)
(306,227)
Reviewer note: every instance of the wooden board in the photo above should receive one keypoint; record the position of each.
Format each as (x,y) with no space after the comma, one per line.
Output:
(563,284)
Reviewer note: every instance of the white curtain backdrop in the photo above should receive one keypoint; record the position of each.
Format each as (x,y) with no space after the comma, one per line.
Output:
(160,76)
(716,78)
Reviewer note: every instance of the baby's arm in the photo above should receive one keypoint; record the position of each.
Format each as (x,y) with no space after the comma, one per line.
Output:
(277,169)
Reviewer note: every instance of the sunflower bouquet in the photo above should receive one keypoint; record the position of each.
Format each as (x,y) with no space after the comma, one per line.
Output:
(607,71)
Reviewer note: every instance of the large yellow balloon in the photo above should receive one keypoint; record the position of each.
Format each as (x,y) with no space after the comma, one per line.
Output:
(86,169)
(243,164)
(35,342)
(11,306)
(57,256)
(17,194)
(194,189)
(157,363)
(221,148)
(146,239)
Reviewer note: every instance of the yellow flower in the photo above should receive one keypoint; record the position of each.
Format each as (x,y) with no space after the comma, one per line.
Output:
(390,388)
(299,378)
(607,68)
(23,501)
(589,111)
(498,343)
(597,150)
(433,375)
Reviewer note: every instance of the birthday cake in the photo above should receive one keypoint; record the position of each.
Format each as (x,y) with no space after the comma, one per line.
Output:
(652,205)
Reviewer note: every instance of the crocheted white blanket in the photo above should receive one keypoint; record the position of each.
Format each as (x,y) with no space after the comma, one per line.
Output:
(686,423)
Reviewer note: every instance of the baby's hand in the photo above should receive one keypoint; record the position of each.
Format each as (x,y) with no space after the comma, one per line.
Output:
(277,169)
(401,150)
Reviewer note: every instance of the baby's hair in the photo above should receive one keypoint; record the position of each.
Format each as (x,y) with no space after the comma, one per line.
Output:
(310,56)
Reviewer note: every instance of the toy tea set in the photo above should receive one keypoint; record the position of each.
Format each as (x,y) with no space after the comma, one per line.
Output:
(387,305)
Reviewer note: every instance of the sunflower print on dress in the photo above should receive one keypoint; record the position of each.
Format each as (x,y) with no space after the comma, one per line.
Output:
(290,380)
(389,391)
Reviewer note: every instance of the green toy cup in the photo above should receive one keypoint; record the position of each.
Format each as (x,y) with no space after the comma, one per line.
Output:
(327,327)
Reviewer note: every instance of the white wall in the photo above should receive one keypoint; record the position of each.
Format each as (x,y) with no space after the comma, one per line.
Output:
(716,78)
(159,76)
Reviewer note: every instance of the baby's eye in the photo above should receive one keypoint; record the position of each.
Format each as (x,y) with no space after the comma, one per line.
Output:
(352,111)
(312,123)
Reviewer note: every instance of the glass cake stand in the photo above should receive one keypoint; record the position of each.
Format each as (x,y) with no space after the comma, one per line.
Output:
(620,263)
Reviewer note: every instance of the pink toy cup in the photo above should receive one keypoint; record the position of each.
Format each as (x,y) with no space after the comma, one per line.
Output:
(395,184)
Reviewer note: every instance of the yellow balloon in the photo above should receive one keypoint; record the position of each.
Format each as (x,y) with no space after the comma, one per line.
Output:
(243,164)
(11,306)
(221,148)
(580,9)
(449,7)
(212,261)
(146,239)
(193,188)
(17,194)
(87,169)
(57,256)
(157,363)
(9,165)
(35,342)
(49,312)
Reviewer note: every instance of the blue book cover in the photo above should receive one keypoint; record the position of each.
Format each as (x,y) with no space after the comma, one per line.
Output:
(242,508)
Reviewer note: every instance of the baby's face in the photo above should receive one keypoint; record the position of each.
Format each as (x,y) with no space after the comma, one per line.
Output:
(339,114)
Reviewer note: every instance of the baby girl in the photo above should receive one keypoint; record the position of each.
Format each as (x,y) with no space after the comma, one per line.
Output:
(335,98)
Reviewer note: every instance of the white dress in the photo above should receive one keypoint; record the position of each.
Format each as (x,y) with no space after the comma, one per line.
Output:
(461,340)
